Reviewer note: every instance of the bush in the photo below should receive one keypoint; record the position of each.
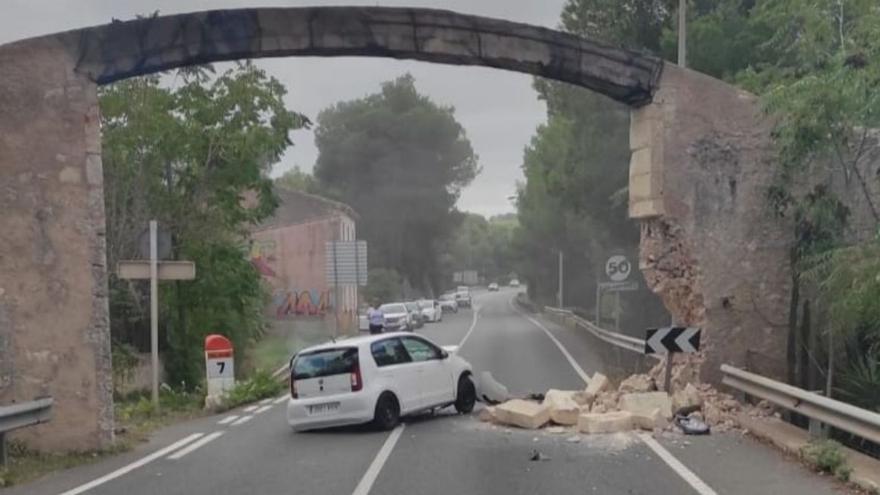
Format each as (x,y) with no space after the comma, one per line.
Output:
(260,386)
(827,456)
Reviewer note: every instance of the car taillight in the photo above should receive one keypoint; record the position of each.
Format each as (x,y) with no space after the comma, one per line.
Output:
(293,393)
(356,382)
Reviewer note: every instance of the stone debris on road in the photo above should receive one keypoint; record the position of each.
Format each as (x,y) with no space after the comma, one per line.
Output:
(635,404)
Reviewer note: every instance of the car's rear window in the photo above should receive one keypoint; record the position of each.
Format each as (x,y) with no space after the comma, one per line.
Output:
(325,362)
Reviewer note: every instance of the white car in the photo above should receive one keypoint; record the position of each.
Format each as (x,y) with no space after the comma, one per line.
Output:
(493,287)
(397,317)
(376,378)
(448,303)
(514,283)
(431,310)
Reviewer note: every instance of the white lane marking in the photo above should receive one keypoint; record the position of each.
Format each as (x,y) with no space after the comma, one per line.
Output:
(262,409)
(577,368)
(228,419)
(471,329)
(195,445)
(679,468)
(366,483)
(134,465)
(280,400)
(242,421)
(250,409)
(265,401)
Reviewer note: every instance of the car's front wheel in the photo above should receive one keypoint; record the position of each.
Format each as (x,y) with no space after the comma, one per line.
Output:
(387,414)
(467,395)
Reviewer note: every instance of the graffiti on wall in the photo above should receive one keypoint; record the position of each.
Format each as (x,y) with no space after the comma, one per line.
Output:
(291,303)
(263,258)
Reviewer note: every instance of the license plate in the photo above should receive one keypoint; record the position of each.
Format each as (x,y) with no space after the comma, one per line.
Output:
(324,408)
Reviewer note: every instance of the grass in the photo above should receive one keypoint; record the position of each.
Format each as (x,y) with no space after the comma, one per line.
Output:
(26,465)
(269,353)
(827,456)
(261,385)
(136,416)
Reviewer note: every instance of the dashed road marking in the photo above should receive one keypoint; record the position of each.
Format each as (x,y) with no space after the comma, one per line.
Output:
(366,483)
(262,409)
(265,401)
(242,420)
(134,465)
(250,409)
(228,419)
(195,445)
(280,400)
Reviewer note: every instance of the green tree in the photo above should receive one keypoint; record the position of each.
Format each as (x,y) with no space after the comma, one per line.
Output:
(400,160)
(188,156)
(297,180)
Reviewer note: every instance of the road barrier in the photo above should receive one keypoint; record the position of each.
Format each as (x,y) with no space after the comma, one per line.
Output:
(846,417)
(616,339)
(21,415)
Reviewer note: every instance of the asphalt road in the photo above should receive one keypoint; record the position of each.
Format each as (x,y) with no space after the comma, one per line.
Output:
(444,453)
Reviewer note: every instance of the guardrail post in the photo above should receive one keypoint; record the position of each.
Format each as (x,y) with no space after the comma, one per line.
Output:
(3,455)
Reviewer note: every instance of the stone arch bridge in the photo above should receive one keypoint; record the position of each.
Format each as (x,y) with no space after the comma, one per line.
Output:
(697,165)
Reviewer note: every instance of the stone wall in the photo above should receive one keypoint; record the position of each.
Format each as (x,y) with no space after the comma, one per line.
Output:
(710,248)
(54,332)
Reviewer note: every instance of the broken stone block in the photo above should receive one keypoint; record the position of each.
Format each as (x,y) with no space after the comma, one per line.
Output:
(637,384)
(651,421)
(599,383)
(563,409)
(689,396)
(611,422)
(523,413)
(487,414)
(584,399)
(644,403)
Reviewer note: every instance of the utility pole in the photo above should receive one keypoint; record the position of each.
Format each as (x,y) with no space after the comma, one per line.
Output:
(682,33)
(559,299)
(154,310)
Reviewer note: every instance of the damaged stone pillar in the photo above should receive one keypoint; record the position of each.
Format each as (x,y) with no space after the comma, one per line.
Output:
(54,332)
(710,248)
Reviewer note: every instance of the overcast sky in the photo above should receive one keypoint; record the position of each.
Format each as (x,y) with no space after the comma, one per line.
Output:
(499,109)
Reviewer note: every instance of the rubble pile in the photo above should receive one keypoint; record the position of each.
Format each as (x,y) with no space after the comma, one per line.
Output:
(636,404)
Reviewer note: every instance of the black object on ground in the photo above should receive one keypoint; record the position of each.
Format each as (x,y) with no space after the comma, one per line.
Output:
(537,455)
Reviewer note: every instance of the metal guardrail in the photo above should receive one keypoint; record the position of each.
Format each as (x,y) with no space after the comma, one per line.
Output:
(849,418)
(21,415)
(614,338)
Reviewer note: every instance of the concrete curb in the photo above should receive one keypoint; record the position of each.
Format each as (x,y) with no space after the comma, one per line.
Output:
(791,439)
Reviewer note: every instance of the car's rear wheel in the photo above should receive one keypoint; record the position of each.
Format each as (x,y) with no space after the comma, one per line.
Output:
(387,414)
(467,395)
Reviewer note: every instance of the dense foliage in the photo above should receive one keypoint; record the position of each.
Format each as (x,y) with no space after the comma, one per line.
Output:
(186,155)
(400,160)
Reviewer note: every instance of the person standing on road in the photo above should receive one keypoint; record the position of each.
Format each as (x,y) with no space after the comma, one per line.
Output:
(376,318)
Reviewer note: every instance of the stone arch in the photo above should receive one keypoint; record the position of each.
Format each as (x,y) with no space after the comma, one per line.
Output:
(54,329)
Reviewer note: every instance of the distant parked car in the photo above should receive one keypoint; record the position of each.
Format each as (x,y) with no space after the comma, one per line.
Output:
(378,379)
(397,317)
(416,318)
(431,310)
(514,283)
(493,287)
(463,298)
(448,303)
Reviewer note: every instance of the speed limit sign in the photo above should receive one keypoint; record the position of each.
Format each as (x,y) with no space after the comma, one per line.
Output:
(617,268)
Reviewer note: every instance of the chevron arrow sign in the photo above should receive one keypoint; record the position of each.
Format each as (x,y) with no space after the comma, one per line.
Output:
(672,339)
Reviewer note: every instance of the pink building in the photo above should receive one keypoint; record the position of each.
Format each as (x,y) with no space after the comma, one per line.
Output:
(289,250)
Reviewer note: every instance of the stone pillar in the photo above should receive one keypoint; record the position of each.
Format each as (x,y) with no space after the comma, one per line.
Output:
(710,247)
(54,331)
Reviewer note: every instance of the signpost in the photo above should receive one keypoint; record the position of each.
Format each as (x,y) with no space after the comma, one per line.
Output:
(155,270)
(219,366)
(617,271)
(669,340)
(346,265)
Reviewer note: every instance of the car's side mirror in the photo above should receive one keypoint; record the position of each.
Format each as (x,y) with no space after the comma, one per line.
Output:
(444,355)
